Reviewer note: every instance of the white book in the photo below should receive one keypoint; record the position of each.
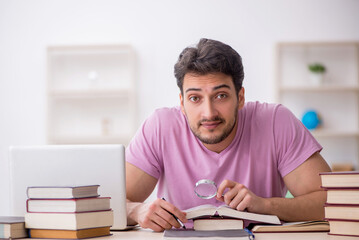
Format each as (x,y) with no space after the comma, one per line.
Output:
(69,221)
(36,192)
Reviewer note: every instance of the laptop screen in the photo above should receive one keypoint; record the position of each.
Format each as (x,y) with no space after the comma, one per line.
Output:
(69,165)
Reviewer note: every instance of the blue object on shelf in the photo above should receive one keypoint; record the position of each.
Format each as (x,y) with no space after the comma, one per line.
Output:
(311,119)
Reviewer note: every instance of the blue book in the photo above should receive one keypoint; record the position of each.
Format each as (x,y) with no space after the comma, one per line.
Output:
(190,234)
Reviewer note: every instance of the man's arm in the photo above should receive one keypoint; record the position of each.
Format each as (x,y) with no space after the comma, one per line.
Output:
(155,215)
(304,183)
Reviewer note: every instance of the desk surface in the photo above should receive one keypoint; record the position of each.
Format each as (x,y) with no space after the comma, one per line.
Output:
(146,234)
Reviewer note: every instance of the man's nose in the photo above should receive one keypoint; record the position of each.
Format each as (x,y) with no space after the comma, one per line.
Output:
(209,110)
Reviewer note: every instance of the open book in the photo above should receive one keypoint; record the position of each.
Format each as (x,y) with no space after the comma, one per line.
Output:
(208,210)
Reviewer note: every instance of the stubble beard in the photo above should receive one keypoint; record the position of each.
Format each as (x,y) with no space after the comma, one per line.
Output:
(214,139)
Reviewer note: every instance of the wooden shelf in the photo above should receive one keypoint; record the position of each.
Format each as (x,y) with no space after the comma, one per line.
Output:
(330,133)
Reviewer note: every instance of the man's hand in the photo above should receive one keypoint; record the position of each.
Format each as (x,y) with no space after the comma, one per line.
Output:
(157,215)
(239,197)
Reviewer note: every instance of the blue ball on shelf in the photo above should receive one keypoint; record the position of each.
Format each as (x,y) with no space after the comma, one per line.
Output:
(311,119)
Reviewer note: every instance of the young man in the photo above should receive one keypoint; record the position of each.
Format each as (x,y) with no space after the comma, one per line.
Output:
(254,151)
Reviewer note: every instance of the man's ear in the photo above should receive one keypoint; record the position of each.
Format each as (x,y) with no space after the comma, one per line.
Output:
(241,98)
(182,104)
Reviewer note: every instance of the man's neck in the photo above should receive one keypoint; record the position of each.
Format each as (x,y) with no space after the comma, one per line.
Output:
(219,147)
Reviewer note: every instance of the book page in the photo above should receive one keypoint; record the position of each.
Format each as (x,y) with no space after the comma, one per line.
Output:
(205,206)
(227,211)
(202,210)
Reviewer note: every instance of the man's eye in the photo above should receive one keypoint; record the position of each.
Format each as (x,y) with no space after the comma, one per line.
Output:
(194,99)
(221,96)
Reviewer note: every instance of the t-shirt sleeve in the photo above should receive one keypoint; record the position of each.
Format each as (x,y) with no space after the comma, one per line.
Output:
(294,143)
(142,151)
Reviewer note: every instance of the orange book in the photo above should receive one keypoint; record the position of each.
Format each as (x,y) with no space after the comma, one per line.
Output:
(70,234)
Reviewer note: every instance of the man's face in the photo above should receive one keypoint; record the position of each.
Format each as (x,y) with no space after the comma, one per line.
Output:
(211,104)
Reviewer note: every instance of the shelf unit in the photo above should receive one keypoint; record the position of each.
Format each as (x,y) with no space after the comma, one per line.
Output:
(336,99)
(91,94)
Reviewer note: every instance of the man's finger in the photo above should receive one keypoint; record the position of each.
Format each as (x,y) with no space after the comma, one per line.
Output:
(174,210)
(168,217)
(224,184)
(161,222)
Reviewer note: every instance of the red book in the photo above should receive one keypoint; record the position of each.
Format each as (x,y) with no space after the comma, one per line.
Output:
(342,195)
(340,179)
(68,205)
(344,227)
(342,211)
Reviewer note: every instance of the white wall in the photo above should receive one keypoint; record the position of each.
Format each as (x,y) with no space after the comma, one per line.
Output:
(158,30)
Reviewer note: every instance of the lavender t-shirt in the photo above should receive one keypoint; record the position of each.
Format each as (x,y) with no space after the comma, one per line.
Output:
(270,142)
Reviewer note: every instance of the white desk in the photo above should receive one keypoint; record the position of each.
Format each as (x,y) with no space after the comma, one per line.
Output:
(146,234)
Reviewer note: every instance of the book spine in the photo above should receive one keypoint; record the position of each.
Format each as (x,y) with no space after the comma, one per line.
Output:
(340,220)
(341,188)
(340,205)
(346,235)
(340,173)
(27,192)
(67,199)
(27,205)
(106,210)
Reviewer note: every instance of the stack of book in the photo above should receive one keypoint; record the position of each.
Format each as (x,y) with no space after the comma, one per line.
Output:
(12,227)
(67,212)
(342,206)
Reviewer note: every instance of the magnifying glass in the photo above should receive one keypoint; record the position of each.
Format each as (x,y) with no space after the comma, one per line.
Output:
(205,189)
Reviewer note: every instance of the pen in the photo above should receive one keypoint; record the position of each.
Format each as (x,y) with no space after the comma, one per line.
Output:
(179,221)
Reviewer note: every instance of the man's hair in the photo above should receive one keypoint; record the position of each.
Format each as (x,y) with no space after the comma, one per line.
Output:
(209,56)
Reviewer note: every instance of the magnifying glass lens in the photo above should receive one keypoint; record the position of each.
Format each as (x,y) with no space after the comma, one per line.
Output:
(205,189)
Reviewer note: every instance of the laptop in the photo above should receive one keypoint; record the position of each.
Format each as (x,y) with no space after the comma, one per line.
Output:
(69,165)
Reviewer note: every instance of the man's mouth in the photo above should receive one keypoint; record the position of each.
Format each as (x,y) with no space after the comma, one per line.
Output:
(210,124)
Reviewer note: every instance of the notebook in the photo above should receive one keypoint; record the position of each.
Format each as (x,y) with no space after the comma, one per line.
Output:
(69,165)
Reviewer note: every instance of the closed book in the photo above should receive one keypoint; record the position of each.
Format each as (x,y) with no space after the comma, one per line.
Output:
(201,224)
(68,205)
(344,227)
(343,195)
(342,211)
(47,192)
(12,227)
(308,226)
(69,234)
(69,221)
(190,234)
(226,211)
(340,179)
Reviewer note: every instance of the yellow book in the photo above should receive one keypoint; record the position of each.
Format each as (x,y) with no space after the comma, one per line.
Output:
(71,234)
